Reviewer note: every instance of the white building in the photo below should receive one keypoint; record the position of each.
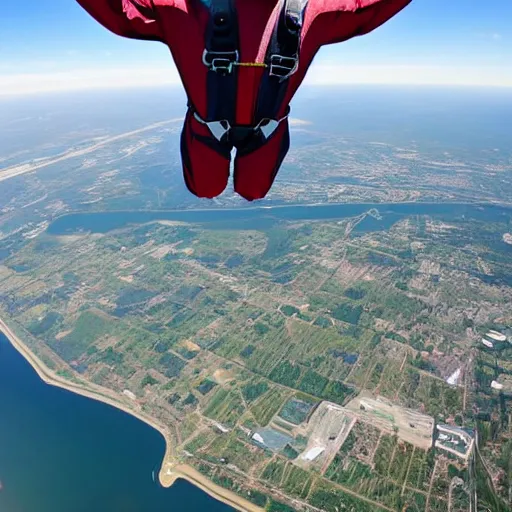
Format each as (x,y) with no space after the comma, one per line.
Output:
(496,336)
(487,343)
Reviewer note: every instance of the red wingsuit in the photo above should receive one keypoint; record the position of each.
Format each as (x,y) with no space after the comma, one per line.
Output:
(181,25)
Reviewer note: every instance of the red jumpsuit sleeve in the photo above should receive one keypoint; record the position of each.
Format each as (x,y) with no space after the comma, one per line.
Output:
(344,19)
(135,19)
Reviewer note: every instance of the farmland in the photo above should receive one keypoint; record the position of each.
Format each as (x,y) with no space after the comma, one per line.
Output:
(305,362)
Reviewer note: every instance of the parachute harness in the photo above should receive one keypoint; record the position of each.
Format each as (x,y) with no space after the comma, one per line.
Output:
(221,56)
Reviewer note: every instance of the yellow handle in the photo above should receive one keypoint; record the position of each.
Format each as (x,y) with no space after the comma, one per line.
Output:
(251,64)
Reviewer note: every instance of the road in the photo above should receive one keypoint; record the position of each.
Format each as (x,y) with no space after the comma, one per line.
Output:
(17,170)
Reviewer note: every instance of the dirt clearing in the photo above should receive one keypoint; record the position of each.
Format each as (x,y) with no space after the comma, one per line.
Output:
(327,428)
(411,426)
(223,376)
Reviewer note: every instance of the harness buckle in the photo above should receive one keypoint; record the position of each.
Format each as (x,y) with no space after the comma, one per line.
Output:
(283,67)
(220,61)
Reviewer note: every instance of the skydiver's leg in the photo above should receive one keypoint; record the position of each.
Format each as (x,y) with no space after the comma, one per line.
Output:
(255,171)
(205,160)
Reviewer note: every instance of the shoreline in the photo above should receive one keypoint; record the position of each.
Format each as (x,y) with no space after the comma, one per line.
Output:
(170,471)
(174,472)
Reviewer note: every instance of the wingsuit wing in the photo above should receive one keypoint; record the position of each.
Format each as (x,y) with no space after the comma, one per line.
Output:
(134,19)
(350,18)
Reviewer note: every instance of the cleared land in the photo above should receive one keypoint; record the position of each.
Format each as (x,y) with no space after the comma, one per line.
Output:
(328,428)
(411,426)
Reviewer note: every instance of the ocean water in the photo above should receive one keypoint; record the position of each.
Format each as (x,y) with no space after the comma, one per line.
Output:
(61,452)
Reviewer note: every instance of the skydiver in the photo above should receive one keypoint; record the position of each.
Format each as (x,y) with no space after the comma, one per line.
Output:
(240,62)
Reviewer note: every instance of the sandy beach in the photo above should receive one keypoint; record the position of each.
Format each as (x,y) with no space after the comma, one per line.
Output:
(170,470)
(170,473)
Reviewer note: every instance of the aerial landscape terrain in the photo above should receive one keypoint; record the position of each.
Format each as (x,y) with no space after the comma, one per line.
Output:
(343,344)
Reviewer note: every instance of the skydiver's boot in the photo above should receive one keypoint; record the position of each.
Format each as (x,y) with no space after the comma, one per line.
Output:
(205,160)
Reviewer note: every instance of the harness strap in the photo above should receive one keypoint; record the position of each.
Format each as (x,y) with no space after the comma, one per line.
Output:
(220,55)
(221,130)
(222,36)
(283,54)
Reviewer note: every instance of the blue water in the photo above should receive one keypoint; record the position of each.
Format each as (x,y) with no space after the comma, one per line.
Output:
(260,218)
(60,452)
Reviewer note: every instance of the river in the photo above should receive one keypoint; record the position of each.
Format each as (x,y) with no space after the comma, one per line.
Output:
(61,452)
(263,217)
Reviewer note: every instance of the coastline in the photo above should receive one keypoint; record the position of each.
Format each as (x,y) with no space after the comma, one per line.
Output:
(170,473)
(170,470)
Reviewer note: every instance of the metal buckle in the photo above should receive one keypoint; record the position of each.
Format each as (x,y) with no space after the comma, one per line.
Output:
(283,67)
(220,61)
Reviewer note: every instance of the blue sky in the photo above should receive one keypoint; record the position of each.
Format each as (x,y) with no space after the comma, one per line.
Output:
(54,44)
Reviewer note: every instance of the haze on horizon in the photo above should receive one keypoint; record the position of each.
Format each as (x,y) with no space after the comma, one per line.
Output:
(54,45)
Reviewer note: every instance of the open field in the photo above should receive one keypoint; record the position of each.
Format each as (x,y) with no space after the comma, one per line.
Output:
(328,428)
(411,426)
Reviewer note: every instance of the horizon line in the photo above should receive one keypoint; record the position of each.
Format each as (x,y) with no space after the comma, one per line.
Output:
(127,87)
(327,74)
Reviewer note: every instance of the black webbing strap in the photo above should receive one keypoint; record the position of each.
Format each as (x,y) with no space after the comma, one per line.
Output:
(282,58)
(220,54)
